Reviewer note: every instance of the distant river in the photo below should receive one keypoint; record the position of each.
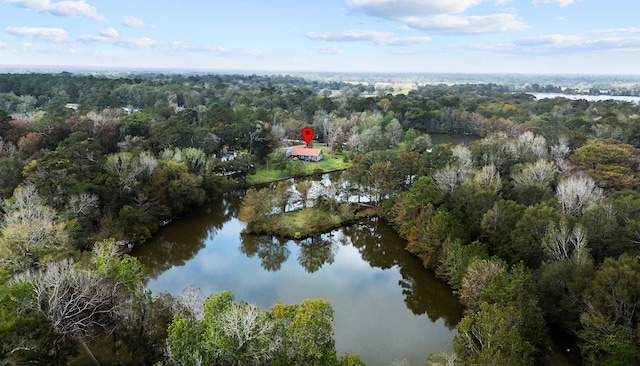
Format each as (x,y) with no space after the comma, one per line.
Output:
(387,306)
(591,98)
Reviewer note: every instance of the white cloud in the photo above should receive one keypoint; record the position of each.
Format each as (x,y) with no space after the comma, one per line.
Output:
(2,44)
(171,46)
(473,24)
(138,42)
(67,8)
(406,41)
(57,35)
(133,22)
(556,44)
(379,38)
(127,42)
(396,9)
(409,51)
(555,2)
(328,50)
(554,40)
(110,32)
(98,39)
(179,46)
(617,30)
(44,49)
(349,36)
(251,52)
(439,16)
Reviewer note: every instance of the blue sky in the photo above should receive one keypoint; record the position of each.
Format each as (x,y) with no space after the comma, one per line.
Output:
(463,36)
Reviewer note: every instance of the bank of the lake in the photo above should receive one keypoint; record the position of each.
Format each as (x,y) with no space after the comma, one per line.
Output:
(387,306)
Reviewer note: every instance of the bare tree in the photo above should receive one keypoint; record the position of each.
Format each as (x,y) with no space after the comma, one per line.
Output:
(446,179)
(193,299)
(463,154)
(577,194)
(322,122)
(196,160)
(83,204)
(170,154)
(124,167)
(353,141)
(540,173)
(334,134)
(256,135)
(443,359)
(560,152)
(454,174)
(488,178)
(304,188)
(479,275)
(248,335)
(562,243)
(76,301)
(31,231)
(278,133)
(529,146)
(148,163)
(451,176)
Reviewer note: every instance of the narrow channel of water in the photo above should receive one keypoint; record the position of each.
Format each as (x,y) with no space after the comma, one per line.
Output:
(387,306)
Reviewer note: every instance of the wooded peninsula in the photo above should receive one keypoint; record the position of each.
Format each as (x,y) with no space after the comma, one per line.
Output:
(535,225)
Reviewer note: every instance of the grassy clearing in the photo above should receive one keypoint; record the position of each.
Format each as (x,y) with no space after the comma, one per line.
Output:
(331,162)
(303,223)
(264,175)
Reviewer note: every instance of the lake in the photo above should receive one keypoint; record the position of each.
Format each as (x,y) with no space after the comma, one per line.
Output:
(591,98)
(387,306)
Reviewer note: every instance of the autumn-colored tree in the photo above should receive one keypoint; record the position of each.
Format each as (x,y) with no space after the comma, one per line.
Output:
(492,337)
(478,277)
(30,146)
(611,163)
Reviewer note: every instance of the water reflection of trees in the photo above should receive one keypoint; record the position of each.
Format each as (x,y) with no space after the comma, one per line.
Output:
(376,242)
(381,247)
(271,250)
(425,294)
(180,241)
(316,251)
(368,238)
(313,253)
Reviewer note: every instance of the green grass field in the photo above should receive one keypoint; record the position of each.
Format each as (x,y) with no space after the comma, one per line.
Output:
(298,224)
(332,162)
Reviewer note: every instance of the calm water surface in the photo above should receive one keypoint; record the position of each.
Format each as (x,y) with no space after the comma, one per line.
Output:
(591,98)
(387,306)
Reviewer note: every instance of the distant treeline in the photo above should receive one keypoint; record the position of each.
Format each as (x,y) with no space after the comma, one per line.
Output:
(536,224)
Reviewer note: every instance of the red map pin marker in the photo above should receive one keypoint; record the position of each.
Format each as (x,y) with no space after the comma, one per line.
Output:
(307,134)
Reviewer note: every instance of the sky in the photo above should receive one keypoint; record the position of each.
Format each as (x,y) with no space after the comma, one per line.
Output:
(378,36)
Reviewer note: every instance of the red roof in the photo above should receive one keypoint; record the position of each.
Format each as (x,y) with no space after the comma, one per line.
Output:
(305,151)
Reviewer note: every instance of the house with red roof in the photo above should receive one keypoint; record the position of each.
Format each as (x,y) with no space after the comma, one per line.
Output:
(307,154)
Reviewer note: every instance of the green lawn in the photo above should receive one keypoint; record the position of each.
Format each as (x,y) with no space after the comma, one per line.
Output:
(298,224)
(328,164)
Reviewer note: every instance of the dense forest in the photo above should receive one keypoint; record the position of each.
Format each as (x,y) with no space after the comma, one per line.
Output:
(535,225)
